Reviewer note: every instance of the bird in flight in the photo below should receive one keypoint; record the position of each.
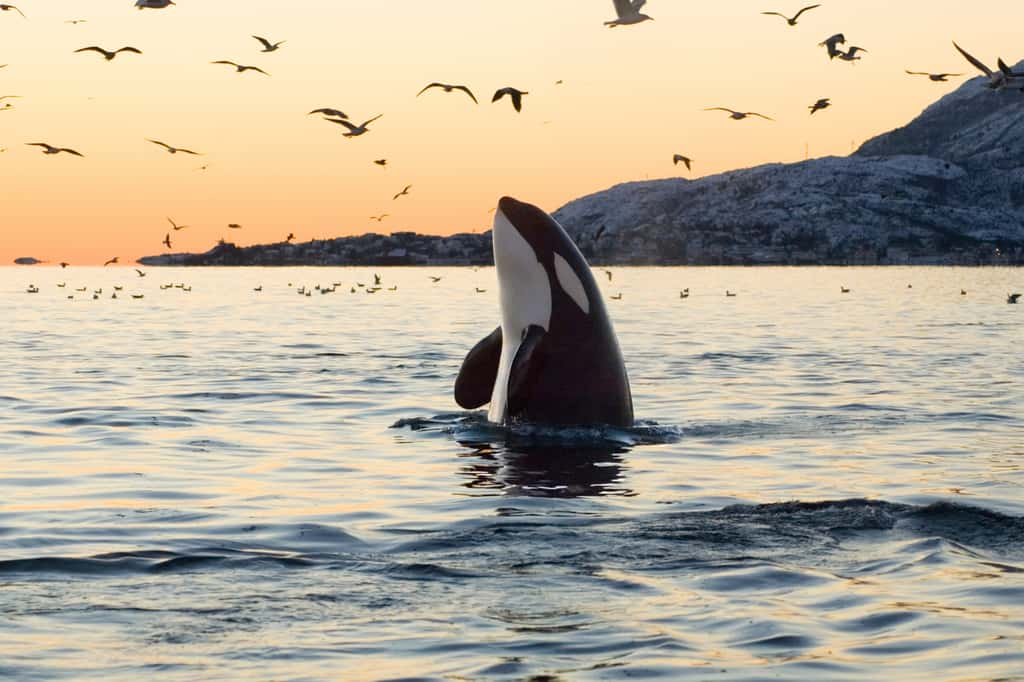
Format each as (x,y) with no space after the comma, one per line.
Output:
(848,56)
(267,45)
(240,68)
(354,130)
(379,218)
(112,261)
(628,12)
(234,226)
(448,88)
(173,150)
(792,20)
(935,77)
(176,226)
(3,97)
(64,264)
(823,103)
(997,80)
(153,4)
(515,95)
(167,240)
(403,193)
(831,42)
(381,162)
(8,8)
(76,21)
(107,54)
(290,237)
(435,279)
(50,149)
(333,113)
(739,115)
(685,160)
(1012,298)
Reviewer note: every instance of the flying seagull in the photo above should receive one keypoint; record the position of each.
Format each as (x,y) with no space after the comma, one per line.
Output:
(831,42)
(823,103)
(379,218)
(241,68)
(50,149)
(628,12)
(334,113)
(107,54)
(1012,298)
(290,237)
(267,45)
(76,21)
(176,226)
(515,95)
(686,161)
(739,115)
(173,150)
(354,130)
(449,88)
(167,240)
(1004,78)
(8,8)
(381,162)
(234,226)
(848,56)
(153,4)
(935,77)
(111,261)
(792,20)
(403,193)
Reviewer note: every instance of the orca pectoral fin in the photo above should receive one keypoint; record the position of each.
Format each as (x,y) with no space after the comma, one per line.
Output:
(526,366)
(475,383)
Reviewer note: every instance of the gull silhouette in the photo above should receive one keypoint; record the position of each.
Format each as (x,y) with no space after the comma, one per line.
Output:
(792,20)
(515,95)
(354,130)
(448,88)
(739,115)
(240,68)
(686,161)
(935,77)
(50,149)
(823,103)
(628,12)
(107,54)
(404,192)
(267,45)
(173,150)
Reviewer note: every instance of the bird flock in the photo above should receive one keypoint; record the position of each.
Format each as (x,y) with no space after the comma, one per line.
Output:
(627,13)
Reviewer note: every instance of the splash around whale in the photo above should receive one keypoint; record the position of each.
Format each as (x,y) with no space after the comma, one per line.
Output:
(554,359)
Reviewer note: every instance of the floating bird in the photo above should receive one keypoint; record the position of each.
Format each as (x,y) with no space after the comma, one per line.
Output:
(107,54)
(8,8)
(153,4)
(137,296)
(140,273)
(616,297)
(628,12)
(173,150)
(848,56)
(176,226)
(963,292)
(831,42)
(234,226)
(381,162)
(403,193)
(290,237)
(679,158)
(167,240)
(434,279)
(843,290)
(267,45)
(729,293)
(64,265)
(481,291)
(823,103)
(379,218)
(1012,298)
(50,149)
(935,77)
(792,20)
(241,68)
(112,261)
(61,285)
(608,273)
(259,288)
(685,293)
(326,111)
(1004,78)
(449,88)
(515,95)
(739,115)
(355,130)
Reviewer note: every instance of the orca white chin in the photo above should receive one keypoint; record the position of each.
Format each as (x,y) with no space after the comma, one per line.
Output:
(525,295)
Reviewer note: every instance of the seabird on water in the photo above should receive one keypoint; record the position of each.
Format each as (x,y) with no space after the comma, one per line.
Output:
(107,54)
(448,88)
(1012,298)
(628,12)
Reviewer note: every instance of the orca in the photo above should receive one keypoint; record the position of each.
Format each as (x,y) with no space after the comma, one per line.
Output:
(554,359)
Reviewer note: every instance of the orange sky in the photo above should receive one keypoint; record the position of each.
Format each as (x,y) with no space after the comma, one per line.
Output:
(631,98)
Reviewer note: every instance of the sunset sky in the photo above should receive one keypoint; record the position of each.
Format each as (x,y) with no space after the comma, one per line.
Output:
(631,97)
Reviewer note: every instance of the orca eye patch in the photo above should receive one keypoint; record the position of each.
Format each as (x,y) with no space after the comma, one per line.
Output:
(571,284)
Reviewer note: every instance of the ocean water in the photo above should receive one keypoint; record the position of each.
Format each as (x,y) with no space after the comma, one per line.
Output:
(230,484)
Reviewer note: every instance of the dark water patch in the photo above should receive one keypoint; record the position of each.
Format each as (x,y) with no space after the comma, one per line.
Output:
(877,622)
(247,396)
